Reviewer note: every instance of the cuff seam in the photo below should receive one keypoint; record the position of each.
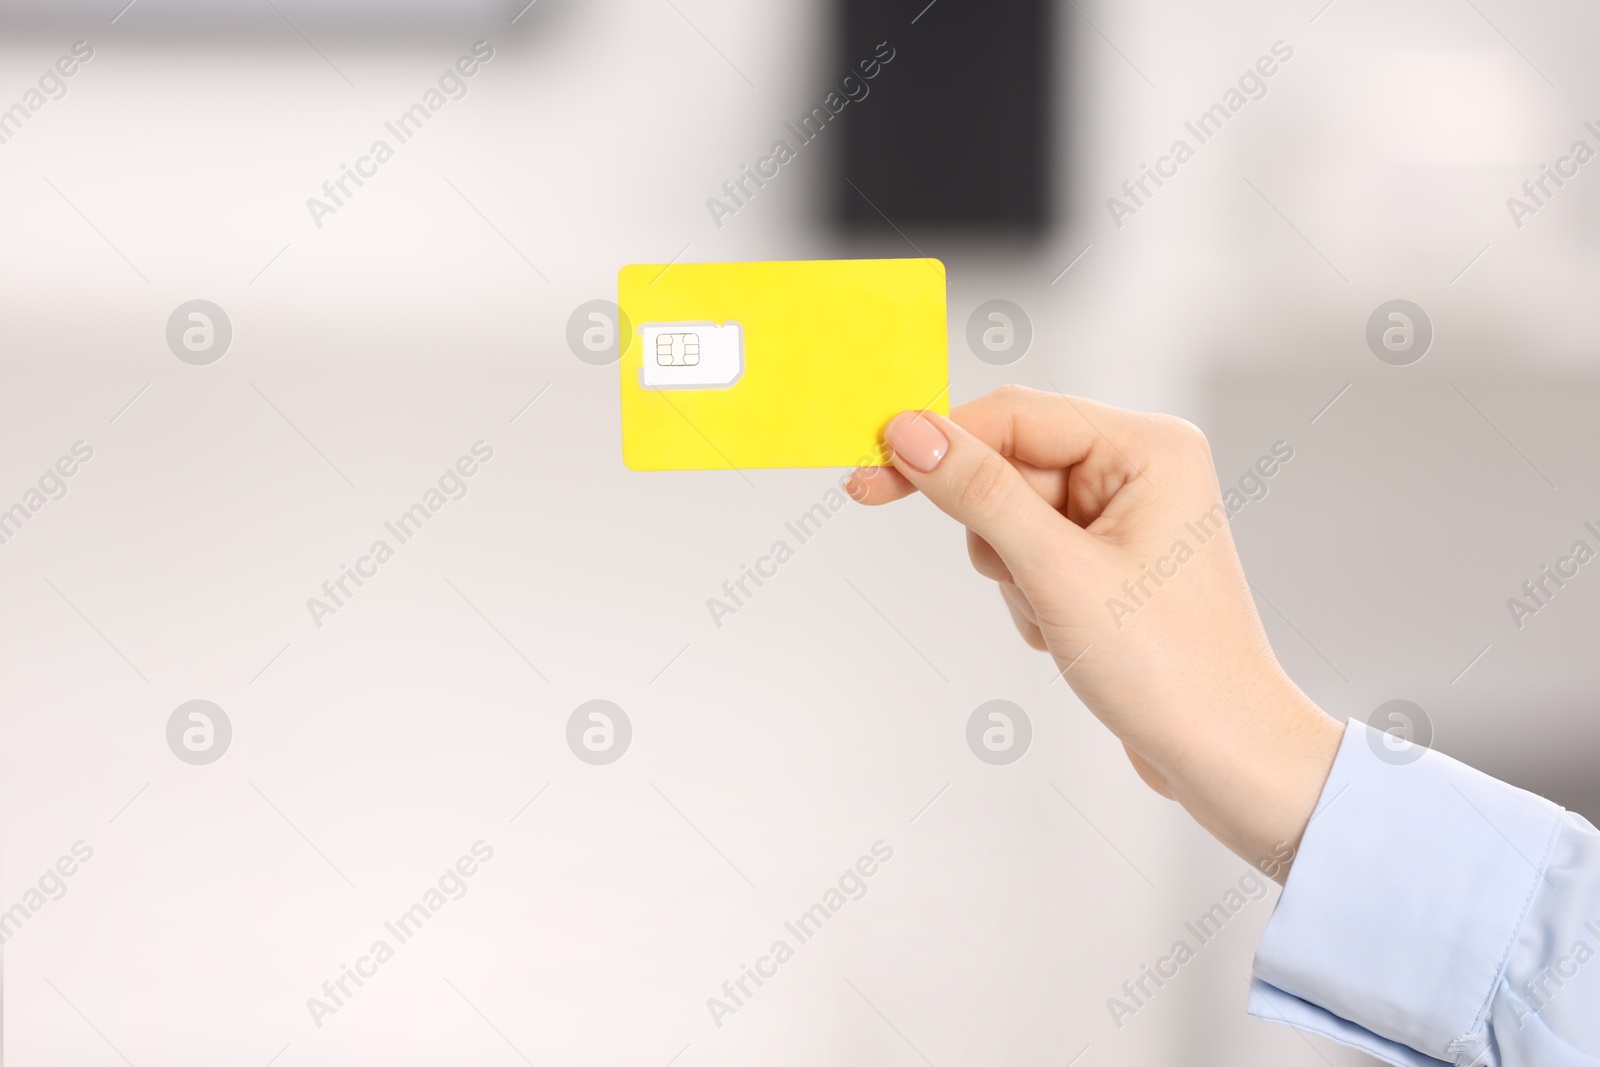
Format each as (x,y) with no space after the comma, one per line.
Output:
(1322,1031)
(1522,917)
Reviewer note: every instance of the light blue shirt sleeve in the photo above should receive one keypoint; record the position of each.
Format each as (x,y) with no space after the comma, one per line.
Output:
(1436,915)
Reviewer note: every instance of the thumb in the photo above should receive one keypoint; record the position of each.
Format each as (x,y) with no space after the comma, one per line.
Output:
(979,488)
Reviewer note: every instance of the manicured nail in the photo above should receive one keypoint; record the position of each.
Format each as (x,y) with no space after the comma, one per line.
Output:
(916,440)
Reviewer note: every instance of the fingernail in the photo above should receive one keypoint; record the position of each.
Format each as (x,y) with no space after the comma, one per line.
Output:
(916,440)
(855,486)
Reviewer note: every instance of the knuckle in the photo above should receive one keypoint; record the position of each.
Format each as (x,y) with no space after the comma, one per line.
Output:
(977,551)
(985,560)
(986,487)
(1185,434)
(1012,392)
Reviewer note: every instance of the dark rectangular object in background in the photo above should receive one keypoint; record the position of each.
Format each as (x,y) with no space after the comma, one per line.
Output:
(957,127)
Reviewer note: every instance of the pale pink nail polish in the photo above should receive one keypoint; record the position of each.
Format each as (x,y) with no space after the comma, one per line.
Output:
(916,440)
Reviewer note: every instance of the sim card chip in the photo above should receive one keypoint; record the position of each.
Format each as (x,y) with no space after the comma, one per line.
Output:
(691,355)
(678,349)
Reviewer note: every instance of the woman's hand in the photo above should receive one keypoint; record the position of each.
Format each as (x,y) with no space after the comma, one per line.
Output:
(1106,532)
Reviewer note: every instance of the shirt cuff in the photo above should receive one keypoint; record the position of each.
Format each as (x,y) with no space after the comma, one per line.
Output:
(1411,882)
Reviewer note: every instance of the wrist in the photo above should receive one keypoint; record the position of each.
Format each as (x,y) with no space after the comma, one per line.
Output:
(1253,770)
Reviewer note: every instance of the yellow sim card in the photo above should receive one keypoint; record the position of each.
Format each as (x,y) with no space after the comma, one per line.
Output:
(801,364)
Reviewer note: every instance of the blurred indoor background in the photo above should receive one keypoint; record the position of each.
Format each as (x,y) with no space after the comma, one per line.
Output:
(374,344)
